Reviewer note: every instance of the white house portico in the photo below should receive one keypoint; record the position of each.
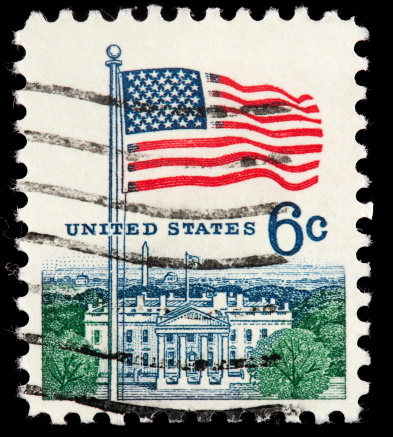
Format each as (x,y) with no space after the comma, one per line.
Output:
(186,342)
(197,342)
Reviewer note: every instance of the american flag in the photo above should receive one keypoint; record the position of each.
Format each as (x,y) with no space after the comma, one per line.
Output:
(183,128)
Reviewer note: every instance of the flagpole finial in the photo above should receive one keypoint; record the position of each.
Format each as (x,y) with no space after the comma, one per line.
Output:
(113,51)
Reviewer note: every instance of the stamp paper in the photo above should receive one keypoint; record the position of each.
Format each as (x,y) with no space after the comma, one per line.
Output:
(192,215)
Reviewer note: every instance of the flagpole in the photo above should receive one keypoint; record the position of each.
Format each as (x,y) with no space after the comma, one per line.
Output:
(113,52)
(121,379)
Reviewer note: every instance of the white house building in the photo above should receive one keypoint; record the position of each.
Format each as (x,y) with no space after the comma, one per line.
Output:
(194,342)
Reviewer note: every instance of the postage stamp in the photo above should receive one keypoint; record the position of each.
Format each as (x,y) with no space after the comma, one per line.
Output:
(192,215)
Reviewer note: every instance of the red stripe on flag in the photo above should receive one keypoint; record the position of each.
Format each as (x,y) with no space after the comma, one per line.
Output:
(215,162)
(270,133)
(264,102)
(216,181)
(223,142)
(255,88)
(269,118)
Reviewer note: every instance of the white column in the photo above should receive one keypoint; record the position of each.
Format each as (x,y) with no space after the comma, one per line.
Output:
(198,342)
(218,357)
(204,377)
(182,358)
(204,347)
(161,357)
(225,353)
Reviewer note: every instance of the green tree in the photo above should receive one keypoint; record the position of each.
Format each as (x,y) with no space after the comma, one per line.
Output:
(262,349)
(58,318)
(330,312)
(294,367)
(67,368)
(315,301)
(333,338)
(91,295)
(328,324)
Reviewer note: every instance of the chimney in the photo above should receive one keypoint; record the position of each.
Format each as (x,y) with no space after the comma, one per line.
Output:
(239,300)
(90,307)
(286,306)
(272,301)
(162,301)
(171,295)
(140,301)
(220,300)
(263,301)
(204,295)
(100,302)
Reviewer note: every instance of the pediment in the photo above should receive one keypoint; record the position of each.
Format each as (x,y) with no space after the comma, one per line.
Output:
(192,317)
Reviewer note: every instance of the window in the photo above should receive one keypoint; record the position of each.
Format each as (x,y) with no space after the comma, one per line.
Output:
(129,360)
(129,336)
(190,338)
(97,336)
(248,334)
(210,358)
(146,359)
(232,358)
(263,333)
(145,335)
(233,335)
(248,353)
(171,359)
(169,338)
(210,337)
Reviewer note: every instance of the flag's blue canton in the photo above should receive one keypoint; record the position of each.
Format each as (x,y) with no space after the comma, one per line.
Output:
(163,99)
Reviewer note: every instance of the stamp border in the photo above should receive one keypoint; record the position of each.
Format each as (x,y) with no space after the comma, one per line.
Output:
(363,253)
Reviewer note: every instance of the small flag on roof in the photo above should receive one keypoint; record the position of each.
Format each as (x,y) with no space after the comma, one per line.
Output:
(191,259)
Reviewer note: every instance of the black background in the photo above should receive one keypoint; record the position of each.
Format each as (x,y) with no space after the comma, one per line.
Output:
(377,137)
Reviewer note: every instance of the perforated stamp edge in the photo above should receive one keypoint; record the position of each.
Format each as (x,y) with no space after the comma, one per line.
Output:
(350,407)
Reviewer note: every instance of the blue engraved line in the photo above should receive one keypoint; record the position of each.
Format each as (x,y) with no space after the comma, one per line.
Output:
(122,121)
(117,150)
(117,363)
(122,129)
(118,137)
(110,237)
(120,363)
(124,281)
